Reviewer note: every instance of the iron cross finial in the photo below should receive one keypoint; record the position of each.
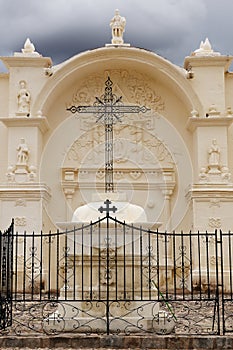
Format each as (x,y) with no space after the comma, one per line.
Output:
(107,209)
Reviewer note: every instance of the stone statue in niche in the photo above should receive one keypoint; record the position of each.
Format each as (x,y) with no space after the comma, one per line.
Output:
(21,171)
(214,157)
(24,99)
(118,27)
(214,172)
(23,153)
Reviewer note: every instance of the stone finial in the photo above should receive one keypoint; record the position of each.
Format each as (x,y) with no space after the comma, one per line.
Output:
(28,47)
(194,113)
(205,49)
(117,24)
(28,50)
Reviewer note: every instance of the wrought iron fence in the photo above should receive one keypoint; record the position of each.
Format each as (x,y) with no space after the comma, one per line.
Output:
(6,259)
(111,277)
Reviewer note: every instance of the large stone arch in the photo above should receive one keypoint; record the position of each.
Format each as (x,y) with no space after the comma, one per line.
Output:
(81,65)
(80,79)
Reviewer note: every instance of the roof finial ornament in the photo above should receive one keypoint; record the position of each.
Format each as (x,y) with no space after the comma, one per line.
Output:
(28,50)
(117,24)
(205,49)
(28,47)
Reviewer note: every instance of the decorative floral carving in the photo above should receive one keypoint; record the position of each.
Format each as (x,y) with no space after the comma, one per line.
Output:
(142,93)
(215,222)
(132,145)
(214,202)
(20,202)
(136,87)
(20,221)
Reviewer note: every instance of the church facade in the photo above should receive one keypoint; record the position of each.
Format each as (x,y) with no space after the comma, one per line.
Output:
(175,160)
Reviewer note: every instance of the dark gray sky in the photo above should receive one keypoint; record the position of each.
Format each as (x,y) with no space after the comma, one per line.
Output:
(62,28)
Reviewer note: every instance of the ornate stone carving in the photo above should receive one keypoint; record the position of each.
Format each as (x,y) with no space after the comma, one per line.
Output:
(135,174)
(212,112)
(28,47)
(23,153)
(118,27)
(214,171)
(69,192)
(215,202)
(69,175)
(225,174)
(20,221)
(31,173)
(132,145)
(194,113)
(205,49)
(21,172)
(24,99)
(20,202)
(214,157)
(10,174)
(203,177)
(136,88)
(215,222)
(100,174)
(118,175)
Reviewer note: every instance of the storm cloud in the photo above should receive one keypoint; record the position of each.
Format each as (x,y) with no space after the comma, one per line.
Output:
(62,28)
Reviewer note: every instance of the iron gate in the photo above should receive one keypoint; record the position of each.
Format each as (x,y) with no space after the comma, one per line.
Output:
(6,261)
(111,277)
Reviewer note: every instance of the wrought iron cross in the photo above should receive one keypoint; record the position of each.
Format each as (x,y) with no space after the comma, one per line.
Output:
(109,109)
(107,209)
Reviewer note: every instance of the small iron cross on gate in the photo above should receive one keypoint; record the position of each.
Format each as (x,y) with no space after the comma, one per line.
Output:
(107,209)
(109,109)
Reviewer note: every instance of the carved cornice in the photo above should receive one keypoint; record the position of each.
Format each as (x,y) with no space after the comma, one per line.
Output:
(195,122)
(30,191)
(206,192)
(147,179)
(39,122)
(210,60)
(16,61)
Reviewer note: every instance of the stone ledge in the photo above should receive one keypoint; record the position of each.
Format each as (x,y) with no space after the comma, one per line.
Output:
(146,341)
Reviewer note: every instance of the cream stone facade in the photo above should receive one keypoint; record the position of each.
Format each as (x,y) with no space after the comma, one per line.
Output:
(175,161)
